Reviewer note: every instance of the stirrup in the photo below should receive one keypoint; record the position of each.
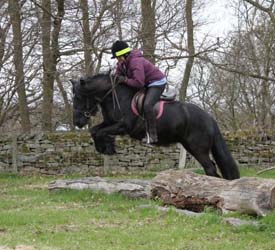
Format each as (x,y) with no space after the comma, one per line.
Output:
(148,140)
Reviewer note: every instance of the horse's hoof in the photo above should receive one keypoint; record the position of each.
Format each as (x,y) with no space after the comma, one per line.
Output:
(106,152)
(147,145)
(109,151)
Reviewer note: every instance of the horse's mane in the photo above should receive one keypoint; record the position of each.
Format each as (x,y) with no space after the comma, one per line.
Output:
(99,75)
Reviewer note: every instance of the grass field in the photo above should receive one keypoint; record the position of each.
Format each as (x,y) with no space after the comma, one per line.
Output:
(31,218)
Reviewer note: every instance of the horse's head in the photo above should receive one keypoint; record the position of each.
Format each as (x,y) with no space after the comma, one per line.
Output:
(84,103)
(96,85)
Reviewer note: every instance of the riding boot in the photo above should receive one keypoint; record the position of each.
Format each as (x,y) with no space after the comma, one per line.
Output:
(151,98)
(151,132)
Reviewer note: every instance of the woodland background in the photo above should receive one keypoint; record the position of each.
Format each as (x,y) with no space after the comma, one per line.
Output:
(44,43)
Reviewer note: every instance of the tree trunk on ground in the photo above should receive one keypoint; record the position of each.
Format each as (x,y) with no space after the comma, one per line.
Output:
(190,191)
(186,190)
(130,187)
(14,12)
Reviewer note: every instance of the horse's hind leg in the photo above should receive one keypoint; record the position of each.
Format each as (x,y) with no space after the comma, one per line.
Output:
(207,164)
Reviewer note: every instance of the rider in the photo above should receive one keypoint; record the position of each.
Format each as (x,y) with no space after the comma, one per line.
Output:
(136,71)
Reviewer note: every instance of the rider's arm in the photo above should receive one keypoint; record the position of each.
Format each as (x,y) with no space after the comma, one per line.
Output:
(137,78)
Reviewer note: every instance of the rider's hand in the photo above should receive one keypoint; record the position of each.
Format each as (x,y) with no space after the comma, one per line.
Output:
(121,79)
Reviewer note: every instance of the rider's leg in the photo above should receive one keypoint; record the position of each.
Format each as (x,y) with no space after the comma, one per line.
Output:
(151,98)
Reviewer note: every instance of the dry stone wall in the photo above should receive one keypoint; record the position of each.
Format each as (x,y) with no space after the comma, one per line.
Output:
(251,148)
(72,153)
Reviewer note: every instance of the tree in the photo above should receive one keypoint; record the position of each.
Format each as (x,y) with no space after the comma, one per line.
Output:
(50,50)
(265,6)
(14,12)
(190,50)
(87,36)
(242,76)
(148,30)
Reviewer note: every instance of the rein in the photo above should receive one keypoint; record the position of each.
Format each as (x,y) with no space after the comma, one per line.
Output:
(114,94)
(88,112)
(113,91)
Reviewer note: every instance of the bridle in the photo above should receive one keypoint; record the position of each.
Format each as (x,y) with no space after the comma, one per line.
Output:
(90,110)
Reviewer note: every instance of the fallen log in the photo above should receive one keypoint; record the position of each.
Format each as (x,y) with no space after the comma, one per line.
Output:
(187,190)
(132,188)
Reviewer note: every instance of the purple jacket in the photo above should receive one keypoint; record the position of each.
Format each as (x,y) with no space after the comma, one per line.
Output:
(139,71)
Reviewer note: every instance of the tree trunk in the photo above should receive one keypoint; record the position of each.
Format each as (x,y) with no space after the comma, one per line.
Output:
(46,52)
(68,108)
(14,12)
(50,51)
(148,29)
(3,38)
(118,17)
(87,36)
(187,190)
(191,50)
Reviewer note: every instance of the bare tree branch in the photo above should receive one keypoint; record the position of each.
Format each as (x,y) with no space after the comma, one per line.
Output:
(269,10)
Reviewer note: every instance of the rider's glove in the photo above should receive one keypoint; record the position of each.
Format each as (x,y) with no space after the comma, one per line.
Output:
(121,79)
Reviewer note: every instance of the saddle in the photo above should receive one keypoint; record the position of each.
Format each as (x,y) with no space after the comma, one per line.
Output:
(168,96)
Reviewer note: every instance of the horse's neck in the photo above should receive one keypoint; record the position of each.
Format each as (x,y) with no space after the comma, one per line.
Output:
(118,101)
(125,92)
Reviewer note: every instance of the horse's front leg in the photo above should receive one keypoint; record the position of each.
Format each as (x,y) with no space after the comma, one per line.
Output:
(103,136)
(93,130)
(114,129)
(104,144)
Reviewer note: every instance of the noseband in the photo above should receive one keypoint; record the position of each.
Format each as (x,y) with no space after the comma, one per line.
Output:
(88,111)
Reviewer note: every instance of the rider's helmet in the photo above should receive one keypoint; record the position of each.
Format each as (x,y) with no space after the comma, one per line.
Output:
(120,48)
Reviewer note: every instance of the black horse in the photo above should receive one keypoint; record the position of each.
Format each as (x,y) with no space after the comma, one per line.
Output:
(184,123)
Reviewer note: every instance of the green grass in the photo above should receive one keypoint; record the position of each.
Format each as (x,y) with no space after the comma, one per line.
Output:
(70,220)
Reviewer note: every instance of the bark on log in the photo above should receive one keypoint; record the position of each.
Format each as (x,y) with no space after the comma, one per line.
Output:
(131,187)
(187,190)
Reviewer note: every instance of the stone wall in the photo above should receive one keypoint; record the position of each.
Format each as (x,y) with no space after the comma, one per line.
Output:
(72,153)
(252,148)
(68,153)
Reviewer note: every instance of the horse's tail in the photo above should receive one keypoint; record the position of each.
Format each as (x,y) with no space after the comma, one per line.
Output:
(223,158)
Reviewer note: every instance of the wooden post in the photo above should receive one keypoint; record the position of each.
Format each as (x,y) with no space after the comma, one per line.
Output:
(182,157)
(14,154)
